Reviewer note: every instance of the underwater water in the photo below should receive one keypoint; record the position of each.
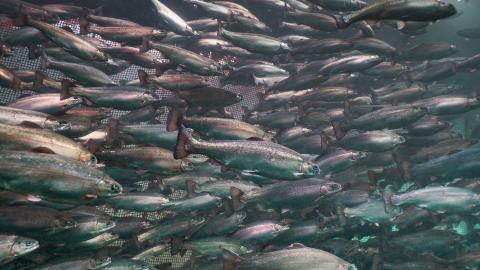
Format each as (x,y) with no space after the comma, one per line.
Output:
(239,134)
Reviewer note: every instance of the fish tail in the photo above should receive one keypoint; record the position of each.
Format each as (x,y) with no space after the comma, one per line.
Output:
(84,24)
(66,88)
(143,78)
(236,193)
(343,21)
(220,28)
(38,80)
(387,199)
(22,19)
(191,187)
(403,165)
(338,129)
(98,11)
(174,119)
(230,259)
(44,61)
(112,130)
(145,44)
(184,140)
(346,109)
(227,206)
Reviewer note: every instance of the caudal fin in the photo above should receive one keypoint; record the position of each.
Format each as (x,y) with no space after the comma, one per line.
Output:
(66,87)
(84,24)
(184,139)
(342,21)
(230,259)
(236,193)
(143,78)
(174,119)
(387,199)
(338,130)
(38,80)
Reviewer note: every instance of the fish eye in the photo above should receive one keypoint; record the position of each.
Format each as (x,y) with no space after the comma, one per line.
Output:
(115,187)
(29,243)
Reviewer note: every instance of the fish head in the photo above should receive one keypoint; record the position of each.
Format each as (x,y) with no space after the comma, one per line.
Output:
(474,101)
(58,125)
(244,250)
(186,165)
(453,48)
(397,139)
(197,221)
(284,47)
(444,10)
(238,97)
(62,223)
(87,157)
(103,224)
(22,246)
(216,69)
(148,97)
(99,263)
(358,155)
(108,188)
(72,102)
(452,87)
(309,169)
(280,228)
(329,188)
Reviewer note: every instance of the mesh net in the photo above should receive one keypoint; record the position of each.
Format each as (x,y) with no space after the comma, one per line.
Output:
(21,61)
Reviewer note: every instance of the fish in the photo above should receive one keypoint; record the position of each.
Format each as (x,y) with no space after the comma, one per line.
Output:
(34,221)
(370,141)
(319,21)
(298,255)
(341,5)
(86,75)
(169,17)
(428,51)
(455,199)
(46,103)
(14,247)
(78,263)
(289,166)
(149,158)
(125,34)
(259,232)
(25,36)
(255,42)
(389,117)
(191,61)
(172,82)
(118,97)
(71,42)
(49,179)
(351,64)
(10,80)
(212,247)
(408,10)
(297,194)
(14,116)
(473,33)
(43,141)
(142,202)
(322,46)
(218,128)
(173,228)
